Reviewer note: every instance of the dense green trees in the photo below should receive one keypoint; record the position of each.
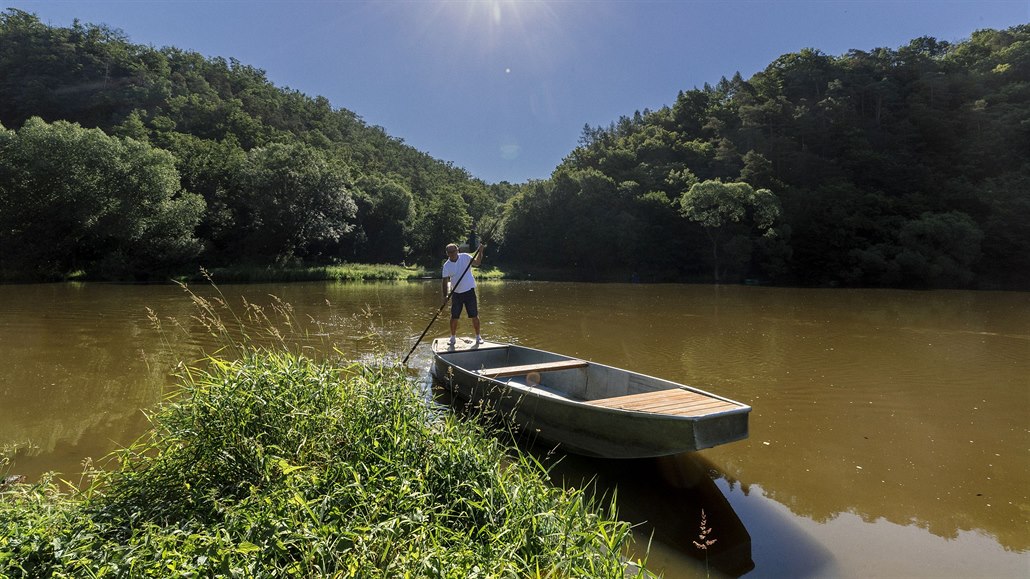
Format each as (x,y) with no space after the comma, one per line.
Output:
(77,199)
(894,167)
(907,167)
(385,208)
(273,176)
(290,201)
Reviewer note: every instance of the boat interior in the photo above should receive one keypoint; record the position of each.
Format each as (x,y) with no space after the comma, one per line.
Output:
(554,375)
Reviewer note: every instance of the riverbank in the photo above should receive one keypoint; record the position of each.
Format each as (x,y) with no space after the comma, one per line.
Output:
(360,272)
(347,273)
(272,274)
(277,465)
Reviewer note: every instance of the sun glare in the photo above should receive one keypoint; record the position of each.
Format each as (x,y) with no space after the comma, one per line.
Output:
(496,23)
(496,10)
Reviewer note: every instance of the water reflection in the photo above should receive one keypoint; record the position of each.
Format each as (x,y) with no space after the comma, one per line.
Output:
(664,498)
(75,377)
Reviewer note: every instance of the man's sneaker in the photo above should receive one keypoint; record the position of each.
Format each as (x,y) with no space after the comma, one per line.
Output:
(479,339)
(451,341)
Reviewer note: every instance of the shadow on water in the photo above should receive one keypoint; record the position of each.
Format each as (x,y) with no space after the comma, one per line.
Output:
(664,498)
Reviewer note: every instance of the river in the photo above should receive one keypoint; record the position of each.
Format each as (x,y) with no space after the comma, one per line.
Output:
(889,437)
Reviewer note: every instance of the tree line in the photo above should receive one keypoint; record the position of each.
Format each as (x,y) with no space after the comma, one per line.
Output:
(907,167)
(889,167)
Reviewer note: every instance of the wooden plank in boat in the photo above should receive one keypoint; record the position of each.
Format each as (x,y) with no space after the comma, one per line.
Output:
(527,368)
(675,401)
(441,345)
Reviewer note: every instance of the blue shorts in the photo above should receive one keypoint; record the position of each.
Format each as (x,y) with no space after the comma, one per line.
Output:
(466,299)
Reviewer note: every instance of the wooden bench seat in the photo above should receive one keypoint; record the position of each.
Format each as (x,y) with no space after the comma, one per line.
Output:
(675,401)
(506,371)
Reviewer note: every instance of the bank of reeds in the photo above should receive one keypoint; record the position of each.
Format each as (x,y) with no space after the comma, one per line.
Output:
(276,465)
(347,272)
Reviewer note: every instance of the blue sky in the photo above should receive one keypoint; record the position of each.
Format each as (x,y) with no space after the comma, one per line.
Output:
(503,88)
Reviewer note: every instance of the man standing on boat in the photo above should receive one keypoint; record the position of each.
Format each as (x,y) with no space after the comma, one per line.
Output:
(457,272)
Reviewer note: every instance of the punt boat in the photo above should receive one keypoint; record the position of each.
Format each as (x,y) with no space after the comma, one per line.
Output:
(585,407)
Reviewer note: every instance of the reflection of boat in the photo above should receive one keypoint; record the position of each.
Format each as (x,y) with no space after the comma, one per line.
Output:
(663,497)
(585,407)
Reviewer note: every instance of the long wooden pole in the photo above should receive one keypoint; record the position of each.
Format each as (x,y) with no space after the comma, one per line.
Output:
(454,286)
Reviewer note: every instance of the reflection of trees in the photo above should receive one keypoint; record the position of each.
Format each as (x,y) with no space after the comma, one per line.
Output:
(870,403)
(71,368)
(837,379)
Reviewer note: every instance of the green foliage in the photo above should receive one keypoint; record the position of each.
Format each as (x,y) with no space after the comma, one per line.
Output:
(345,272)
(732,215)
(1006,227)
(274,465)
(939,248)
(74,198)
(445,220)
(290,201)
(385,207)
(229,129)
(857,149)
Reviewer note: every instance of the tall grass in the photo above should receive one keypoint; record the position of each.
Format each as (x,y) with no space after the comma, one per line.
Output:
(274,464)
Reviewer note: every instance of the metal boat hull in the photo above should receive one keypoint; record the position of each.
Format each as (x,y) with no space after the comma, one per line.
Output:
(563,406)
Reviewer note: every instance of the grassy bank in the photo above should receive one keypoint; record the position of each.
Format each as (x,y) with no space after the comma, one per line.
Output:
(276,465)
(269,274)
(347,272)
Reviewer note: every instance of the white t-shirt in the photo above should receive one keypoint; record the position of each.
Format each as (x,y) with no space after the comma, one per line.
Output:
(452,269)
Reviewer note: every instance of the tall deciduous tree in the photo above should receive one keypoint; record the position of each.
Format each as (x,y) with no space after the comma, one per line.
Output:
(445,220)
(939,249)
(290,201)
(732,214)
(384,214)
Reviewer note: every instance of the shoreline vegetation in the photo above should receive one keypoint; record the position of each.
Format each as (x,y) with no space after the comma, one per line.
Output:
(369,272)
(269,462)
(354,272)
(359,272)
(351,272)
(275,464)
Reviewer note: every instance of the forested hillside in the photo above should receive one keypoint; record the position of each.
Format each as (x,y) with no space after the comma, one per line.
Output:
(905,167)
(125,160)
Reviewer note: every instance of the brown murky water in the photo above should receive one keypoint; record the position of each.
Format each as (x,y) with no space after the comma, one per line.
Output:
(890,435)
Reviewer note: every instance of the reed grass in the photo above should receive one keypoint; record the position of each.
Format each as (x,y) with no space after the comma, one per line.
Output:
(703,541)
(270,463)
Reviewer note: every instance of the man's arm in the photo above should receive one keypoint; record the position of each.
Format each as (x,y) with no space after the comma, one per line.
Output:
(479,255)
